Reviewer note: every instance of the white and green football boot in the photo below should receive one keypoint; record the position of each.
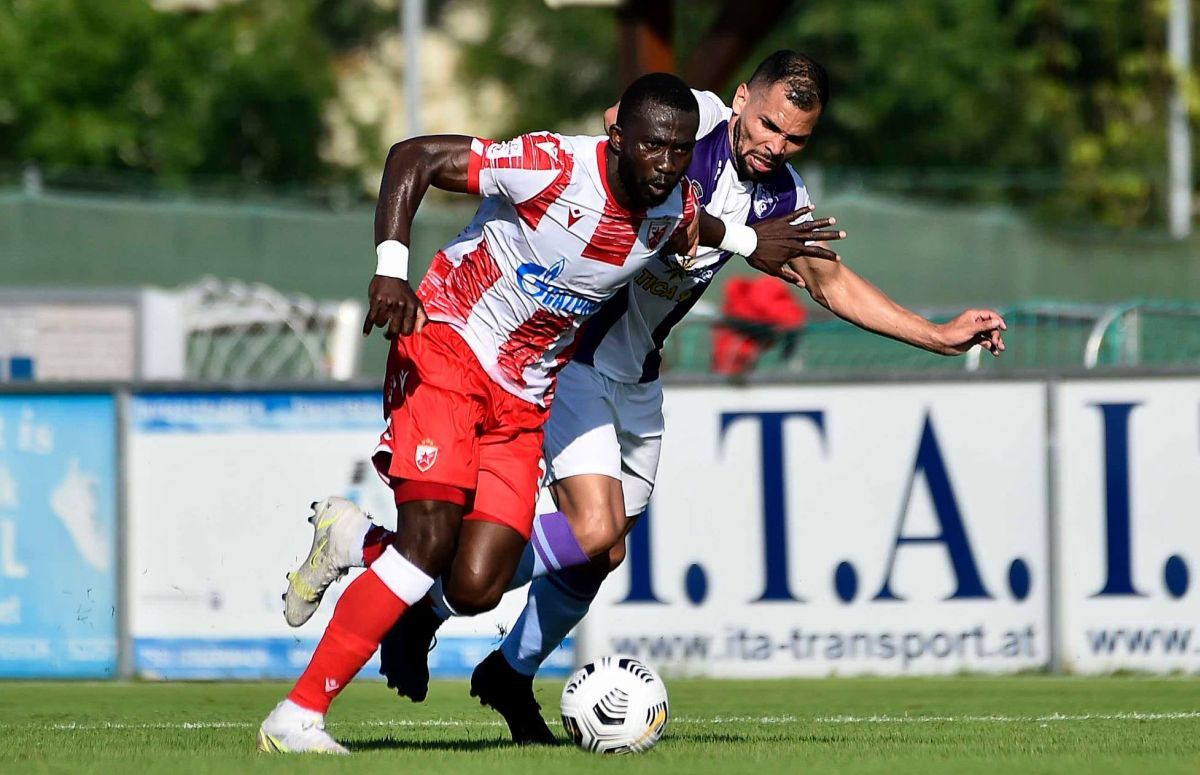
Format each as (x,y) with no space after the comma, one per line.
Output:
(339,527)
(292,729)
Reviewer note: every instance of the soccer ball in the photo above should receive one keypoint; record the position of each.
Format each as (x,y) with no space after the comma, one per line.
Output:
(615,705)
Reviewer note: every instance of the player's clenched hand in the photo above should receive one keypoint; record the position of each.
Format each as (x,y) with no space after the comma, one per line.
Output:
(685,241)
(981,327)
(782,238)
(394,307)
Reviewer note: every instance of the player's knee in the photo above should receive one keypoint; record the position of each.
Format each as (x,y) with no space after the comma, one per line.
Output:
(473,591)
(616,555)
(474,588)
(598,529)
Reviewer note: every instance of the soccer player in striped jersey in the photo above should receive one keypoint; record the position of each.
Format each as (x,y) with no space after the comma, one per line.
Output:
(605,431)
(565,223)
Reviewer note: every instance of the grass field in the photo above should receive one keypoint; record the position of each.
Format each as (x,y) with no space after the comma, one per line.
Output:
(953,725)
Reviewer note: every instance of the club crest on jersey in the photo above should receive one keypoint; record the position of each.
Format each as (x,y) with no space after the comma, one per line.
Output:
(764,202)
(427,452)
(656,231)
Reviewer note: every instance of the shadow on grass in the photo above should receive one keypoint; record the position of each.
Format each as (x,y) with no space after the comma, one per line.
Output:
(465,745)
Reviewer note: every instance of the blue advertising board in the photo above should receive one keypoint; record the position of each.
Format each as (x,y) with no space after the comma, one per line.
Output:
(58,535)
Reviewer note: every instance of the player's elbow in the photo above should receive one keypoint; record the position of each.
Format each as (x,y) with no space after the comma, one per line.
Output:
(407,152)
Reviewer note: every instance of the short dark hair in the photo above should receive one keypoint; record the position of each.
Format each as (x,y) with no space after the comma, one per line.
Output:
(806,81)
(660,89)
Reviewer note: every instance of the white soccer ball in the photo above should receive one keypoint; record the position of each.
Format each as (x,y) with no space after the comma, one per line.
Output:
(615,705)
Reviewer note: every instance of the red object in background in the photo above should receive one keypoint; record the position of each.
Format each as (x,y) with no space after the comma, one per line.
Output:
(757,311)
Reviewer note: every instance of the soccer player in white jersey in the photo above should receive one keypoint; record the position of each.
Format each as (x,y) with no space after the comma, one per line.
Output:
(604,434)
(566,222)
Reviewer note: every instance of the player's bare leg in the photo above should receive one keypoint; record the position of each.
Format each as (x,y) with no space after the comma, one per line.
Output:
(423,547)
(486,561)
(594,505)
(557,602)
(480,573)
(592,515)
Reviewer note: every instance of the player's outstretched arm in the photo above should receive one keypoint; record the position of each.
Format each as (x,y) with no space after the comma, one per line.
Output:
(412,167)
(773,242)
(849,296)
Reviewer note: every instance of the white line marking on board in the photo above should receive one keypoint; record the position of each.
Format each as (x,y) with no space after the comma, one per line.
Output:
(687,720)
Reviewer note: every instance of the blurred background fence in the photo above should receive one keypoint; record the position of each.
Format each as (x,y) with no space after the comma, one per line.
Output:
(1073,296)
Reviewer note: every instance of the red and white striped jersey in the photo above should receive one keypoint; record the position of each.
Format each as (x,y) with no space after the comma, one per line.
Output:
(548,245)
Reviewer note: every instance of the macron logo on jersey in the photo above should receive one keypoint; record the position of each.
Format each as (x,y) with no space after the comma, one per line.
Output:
(534,281)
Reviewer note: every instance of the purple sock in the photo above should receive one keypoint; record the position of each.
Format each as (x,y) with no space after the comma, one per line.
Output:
(554,544)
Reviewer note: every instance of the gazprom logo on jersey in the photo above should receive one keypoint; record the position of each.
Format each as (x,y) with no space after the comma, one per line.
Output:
(537,282)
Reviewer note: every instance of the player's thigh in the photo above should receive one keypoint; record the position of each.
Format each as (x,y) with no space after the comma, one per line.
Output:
(581,433)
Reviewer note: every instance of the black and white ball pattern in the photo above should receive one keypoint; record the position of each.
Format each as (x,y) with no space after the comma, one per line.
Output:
(615,705)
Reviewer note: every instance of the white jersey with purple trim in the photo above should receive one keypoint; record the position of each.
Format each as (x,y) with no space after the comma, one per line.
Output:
(624,339)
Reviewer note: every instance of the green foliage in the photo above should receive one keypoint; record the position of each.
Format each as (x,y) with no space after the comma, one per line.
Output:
(117,85)
(1013,89)
(1000,85)
(557,65)
(1056,105)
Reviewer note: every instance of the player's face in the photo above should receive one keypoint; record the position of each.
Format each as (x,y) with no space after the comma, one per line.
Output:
(653,152)
(769,129)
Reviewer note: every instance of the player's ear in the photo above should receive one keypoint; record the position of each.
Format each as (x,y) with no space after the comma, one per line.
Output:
(615,137)
(610,116)
(740,97)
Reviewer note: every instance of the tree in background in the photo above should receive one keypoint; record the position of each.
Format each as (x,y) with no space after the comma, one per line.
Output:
(104,85)
(1063,103)
(1053,104)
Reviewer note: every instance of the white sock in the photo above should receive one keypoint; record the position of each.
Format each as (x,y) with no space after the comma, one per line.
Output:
(289,708)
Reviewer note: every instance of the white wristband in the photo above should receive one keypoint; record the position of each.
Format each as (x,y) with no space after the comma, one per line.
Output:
(393,259)
(739,239)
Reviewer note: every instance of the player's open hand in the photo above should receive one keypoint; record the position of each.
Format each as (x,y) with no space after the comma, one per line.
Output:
(782,238)
(393,307)
(983,327)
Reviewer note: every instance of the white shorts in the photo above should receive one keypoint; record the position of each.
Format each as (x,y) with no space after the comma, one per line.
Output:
(601,426)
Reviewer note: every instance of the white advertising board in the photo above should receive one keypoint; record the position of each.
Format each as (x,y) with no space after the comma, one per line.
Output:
(1128,494)
(219,487)
(885,529)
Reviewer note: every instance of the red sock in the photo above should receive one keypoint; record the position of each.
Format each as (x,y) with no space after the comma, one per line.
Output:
(366,611)
(378,538)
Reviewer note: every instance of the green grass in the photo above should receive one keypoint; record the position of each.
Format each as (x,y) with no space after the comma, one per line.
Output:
(972,724)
